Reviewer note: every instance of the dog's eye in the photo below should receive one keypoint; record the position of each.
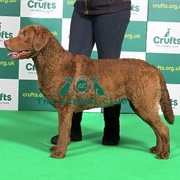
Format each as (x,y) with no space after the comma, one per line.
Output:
(23,34)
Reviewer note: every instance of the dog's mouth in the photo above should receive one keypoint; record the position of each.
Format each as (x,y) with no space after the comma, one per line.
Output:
(19,54)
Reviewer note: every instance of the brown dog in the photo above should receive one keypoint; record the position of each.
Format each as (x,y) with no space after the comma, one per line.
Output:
(74,83)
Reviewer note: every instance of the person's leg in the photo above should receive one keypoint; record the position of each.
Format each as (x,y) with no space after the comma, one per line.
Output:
(109,31)
(81,41)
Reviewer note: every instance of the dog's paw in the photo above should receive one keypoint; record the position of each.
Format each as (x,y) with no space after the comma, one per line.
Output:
(53,148)
(56,152)
(154,149)
(163,155)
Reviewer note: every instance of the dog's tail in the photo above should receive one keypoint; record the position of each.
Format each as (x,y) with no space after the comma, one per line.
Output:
(165,102)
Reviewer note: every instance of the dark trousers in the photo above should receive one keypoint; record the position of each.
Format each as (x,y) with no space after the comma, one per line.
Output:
(107,32)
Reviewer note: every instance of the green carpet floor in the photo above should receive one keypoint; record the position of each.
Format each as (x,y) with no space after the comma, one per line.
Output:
(24,150)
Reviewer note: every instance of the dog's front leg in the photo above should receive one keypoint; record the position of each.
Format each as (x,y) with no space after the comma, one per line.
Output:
(65,118)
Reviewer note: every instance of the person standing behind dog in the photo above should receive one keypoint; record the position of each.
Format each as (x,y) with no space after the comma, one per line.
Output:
(103,22)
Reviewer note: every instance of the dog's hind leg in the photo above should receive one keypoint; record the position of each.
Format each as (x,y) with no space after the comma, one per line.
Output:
(149,114)
(163,142)
(65,118)
(158,147)
(162,147)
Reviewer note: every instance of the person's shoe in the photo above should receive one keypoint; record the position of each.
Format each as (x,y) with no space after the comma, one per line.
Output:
(110,141)
(74,138)
(111,136)
(54,139)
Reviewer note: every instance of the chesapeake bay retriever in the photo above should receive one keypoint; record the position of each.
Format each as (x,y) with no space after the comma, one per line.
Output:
(74,83)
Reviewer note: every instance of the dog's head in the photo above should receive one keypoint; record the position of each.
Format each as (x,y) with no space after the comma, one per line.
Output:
(29,41)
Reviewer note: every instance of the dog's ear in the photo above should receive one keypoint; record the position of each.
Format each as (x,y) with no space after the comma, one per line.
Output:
(41,38)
